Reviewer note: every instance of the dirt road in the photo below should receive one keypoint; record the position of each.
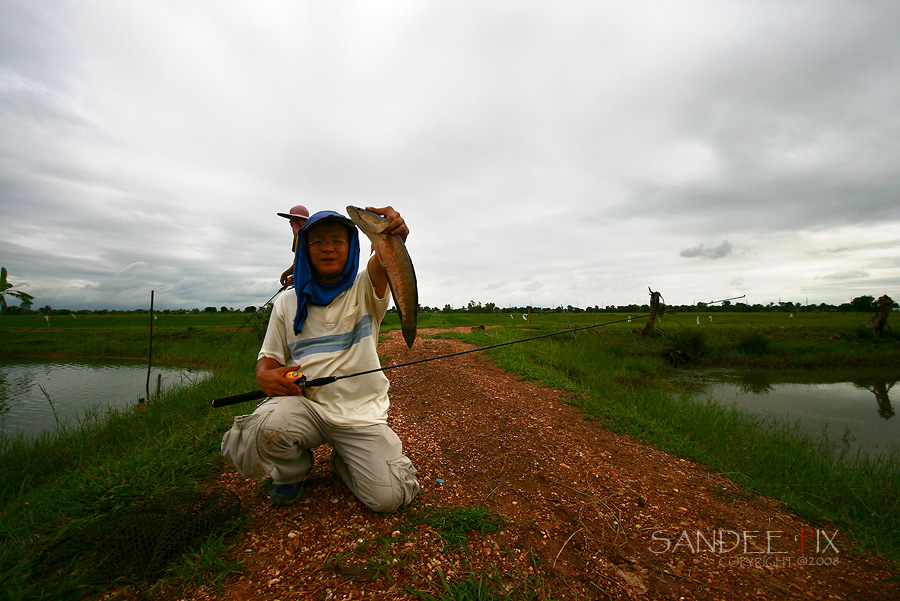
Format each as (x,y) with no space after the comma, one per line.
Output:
(591,514)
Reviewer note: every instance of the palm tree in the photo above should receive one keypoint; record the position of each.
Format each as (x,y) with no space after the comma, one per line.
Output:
(5,289)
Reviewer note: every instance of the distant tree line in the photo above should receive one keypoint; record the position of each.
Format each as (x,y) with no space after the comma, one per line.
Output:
(861,304)
(47,310)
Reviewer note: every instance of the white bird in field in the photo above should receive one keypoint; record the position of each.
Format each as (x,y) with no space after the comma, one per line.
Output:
(698,320)
(525,317)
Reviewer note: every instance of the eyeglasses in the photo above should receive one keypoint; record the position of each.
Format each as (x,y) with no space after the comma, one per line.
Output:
(333,243)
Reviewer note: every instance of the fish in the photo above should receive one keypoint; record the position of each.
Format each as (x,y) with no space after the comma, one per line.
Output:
(392,253)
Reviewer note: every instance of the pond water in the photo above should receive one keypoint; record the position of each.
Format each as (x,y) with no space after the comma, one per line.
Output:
(76,389)
(855,406)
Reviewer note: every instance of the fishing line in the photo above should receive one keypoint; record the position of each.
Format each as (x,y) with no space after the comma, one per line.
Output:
(221,344)
(329,379)
(259,394)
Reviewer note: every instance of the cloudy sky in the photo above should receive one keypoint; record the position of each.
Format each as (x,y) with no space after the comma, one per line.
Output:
(542,153)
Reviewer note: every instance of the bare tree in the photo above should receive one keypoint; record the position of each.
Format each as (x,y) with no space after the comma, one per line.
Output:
(883,309)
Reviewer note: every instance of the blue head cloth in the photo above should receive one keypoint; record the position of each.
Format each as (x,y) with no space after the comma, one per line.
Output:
(308,289)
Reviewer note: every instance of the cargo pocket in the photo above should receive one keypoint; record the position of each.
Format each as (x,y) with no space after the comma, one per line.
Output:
(240,444)
(403,476)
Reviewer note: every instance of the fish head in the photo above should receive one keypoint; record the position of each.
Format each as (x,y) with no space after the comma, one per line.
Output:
(367,221)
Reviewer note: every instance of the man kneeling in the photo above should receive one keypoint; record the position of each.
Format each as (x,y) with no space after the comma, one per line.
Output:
(328,326)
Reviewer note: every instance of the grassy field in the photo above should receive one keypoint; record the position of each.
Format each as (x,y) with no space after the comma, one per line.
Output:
(56,486)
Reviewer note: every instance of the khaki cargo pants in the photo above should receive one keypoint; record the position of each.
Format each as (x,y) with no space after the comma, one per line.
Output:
(275,440)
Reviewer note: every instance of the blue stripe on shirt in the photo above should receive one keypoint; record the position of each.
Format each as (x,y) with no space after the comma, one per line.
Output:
(334,343)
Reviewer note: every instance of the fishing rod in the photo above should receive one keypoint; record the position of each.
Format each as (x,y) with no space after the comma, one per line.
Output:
(298,378)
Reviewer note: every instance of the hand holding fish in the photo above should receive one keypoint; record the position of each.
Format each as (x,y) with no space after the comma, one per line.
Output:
(390,265)
(396,226)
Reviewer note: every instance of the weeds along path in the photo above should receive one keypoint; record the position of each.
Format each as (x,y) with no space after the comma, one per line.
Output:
(590,514)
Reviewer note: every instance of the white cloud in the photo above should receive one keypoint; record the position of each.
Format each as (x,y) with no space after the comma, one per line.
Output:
(717,252)
(853,274)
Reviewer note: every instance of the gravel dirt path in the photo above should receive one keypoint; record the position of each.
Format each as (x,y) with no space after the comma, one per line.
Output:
(590,514)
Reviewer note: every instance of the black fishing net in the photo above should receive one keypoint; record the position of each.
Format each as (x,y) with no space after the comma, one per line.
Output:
(136,544)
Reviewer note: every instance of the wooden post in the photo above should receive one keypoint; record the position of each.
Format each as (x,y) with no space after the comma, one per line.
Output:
(570,324)
(650,327)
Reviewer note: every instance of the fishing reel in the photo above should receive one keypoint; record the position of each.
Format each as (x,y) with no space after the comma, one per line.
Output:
(300,380)
(296,377)
(293,376)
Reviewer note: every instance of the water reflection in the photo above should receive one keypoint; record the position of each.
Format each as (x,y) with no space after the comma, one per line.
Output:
(838,402)
(755,383)
(36,397)
(764,382)
(881,389)
(11,381)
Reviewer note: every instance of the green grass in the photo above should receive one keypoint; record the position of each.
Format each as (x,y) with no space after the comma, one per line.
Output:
(454,524)
(381,556)
(179,339)
(487,587)
(207,564)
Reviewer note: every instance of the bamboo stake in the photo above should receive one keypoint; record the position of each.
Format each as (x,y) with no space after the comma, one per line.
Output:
(150,354)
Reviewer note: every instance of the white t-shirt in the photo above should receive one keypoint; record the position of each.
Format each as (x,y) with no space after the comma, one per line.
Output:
(338,339)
